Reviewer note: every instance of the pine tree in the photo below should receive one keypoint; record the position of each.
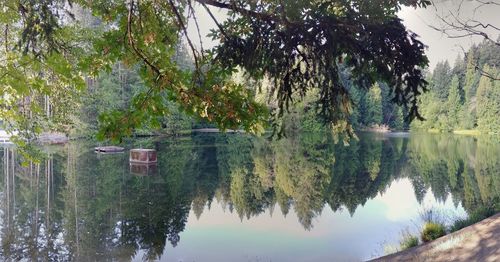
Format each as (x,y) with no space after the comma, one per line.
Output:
(398,122)
(454,104)
(374,106)
(468,118)
(488,103)
(441,79)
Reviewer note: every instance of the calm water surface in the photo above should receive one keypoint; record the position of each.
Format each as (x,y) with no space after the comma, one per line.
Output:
(215,197)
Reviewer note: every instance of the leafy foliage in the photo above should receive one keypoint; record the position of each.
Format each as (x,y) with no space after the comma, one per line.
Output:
(432,231)
(302,45)
(408,241)
(298,45)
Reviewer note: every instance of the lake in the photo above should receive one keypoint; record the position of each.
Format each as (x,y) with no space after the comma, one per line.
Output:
(233,197)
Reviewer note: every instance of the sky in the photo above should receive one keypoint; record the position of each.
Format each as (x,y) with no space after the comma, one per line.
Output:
(440,47)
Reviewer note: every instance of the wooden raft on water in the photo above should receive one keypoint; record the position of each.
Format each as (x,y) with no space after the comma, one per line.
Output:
(109,149)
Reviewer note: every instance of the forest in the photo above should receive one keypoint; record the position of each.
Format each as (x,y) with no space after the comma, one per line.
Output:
(465,96)
(240,121)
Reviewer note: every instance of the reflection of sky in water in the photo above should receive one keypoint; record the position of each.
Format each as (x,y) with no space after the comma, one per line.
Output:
(219,235)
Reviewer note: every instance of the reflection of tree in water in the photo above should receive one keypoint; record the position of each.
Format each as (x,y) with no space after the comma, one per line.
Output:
(467,168)
(76,204)
(31,217)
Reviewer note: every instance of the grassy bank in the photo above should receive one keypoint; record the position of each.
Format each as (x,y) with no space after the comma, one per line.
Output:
(434,226)
(467,132)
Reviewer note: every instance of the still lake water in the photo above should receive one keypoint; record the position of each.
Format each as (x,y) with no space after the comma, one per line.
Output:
(232,197)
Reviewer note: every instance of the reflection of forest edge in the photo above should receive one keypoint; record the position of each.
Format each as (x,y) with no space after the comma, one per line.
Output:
(76,204)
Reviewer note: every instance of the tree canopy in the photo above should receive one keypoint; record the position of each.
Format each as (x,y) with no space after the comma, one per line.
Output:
(300,46)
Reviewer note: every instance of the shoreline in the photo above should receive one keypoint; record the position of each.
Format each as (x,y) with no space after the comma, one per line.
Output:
(477,242)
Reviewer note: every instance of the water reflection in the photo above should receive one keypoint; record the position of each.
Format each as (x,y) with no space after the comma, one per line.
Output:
(76,204)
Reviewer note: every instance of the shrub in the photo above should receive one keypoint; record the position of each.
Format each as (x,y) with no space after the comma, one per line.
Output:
(432,231)
(430,215)
(408,241)
(474,217)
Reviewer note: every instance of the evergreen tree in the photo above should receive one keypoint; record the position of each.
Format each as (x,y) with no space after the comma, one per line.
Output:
(374,106)
(488,102)
(454,104)
(470,85)
(464,96)
(399,123)
(441,78)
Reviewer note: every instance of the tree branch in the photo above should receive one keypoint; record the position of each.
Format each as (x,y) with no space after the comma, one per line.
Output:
(243,11)
(454,26)
(184,30)
(215,20)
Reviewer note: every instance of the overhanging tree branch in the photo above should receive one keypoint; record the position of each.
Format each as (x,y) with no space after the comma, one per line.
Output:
(455,25)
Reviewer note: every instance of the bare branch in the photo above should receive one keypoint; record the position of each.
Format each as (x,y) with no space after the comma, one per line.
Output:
(455,26)
(184,30)
(193,15)
(232,6)
(221,29)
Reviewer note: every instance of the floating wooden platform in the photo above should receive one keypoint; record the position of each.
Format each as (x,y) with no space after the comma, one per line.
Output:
(144,156)
(53,138)
(109,149)
(5,140)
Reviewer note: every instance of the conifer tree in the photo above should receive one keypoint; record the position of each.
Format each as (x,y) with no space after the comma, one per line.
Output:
(488,106)
(454,104)
(470,85)
(374,106)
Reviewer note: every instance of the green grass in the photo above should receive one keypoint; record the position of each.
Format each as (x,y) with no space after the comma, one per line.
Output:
(474,217)
(467,132)
(432,231)
(433,130)
(408,241)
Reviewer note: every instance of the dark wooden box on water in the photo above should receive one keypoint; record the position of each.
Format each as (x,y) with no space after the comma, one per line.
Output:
(140,169)
(144,156)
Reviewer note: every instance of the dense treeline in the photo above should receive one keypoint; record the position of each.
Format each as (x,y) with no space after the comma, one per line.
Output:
(115,89)
(465,96)
(372,109)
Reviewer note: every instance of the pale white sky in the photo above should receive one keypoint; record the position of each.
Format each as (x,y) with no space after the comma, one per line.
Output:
(440,47)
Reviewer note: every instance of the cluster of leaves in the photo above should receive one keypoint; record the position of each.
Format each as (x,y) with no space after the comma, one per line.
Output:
(40,71)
